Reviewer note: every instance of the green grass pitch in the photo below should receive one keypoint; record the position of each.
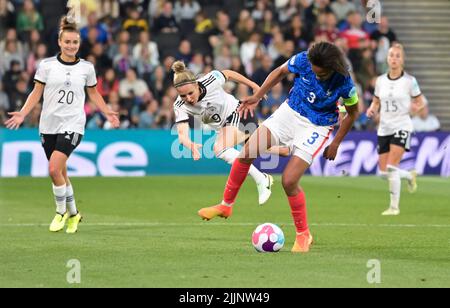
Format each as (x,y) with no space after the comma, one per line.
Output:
(144,232)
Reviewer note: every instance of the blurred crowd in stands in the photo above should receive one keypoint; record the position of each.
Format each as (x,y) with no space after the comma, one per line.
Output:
(133,43)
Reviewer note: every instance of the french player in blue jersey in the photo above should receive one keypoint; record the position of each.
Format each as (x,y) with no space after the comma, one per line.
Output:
(304,122)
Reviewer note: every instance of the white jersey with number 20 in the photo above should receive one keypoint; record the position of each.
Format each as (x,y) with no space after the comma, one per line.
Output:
(64,94)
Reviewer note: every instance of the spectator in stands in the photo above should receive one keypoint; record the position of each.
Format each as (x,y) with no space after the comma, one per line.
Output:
(297,33)
(258,12)
(131,86)
(355,35)
(165,117)
(222,23)
(109,8)
(287,52)
(157,83)
(341,8)
(276,45)
(203,24)
(166,22)
(28,19)
(146,42)
(88,43)
(135,24)
(366,71)
(244,32)
(384,31)
(102,61)
(184,51)
(276,97)
(4,104)
(226,39)
(261,73)
(11,77)
(7,16)
(223,59)
(19,95)
(35,57)
(313,11)
(240,25)
(236,65)
(122,38)
(147,118)
(11,35)
(197,64)
(93,23)
(248,51)
(12,53)
(107,83)
(186,10)
(328,29)
(267,25)
(287,12)
(424,121)
(123,61)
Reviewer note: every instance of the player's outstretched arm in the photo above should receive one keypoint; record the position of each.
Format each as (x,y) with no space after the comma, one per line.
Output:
(185,140)
(33,99)
(249,104)
(346,125)
(235,76)
(110,115)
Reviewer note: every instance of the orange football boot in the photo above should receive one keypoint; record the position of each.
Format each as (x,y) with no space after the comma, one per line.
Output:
(220,210)
(303,242)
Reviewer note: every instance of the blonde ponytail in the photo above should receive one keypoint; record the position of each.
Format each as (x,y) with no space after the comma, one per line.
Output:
(182,75)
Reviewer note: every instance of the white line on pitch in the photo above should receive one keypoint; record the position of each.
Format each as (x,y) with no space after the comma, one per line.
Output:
(240,224)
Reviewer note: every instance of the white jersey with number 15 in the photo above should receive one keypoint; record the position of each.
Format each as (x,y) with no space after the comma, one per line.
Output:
(395,98)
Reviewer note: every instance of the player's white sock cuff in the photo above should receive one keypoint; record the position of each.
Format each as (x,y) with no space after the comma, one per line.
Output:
(228,155)
(60,198)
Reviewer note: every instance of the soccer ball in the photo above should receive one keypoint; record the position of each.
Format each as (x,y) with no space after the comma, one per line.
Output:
(268,238)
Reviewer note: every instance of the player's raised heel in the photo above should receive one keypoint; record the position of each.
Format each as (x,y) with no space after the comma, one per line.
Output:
(391,212)
(303,242)
(412,184)
(265,189)
(58,222)
(220,210)
(72,223)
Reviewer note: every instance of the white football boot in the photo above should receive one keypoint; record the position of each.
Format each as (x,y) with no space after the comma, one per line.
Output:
(265,189)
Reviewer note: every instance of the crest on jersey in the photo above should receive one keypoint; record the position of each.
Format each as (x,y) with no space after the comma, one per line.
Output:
(68,83)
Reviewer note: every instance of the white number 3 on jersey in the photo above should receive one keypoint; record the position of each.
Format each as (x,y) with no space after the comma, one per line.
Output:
(312,97)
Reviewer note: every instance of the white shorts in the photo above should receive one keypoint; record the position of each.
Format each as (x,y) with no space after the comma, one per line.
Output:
(290,129)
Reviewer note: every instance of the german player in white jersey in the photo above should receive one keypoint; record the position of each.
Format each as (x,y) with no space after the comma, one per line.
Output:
(206,100)
(62,81)
(397,95)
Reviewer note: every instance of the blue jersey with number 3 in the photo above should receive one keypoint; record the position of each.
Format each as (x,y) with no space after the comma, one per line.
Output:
(317,100)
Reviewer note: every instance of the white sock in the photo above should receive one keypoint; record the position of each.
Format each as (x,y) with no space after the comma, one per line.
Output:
(60,198)
(230,154)
(384,175)
(405,174)
(70,200)
(395,186)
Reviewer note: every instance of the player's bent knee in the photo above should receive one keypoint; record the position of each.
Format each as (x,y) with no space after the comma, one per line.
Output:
(289,184)
(54,172)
